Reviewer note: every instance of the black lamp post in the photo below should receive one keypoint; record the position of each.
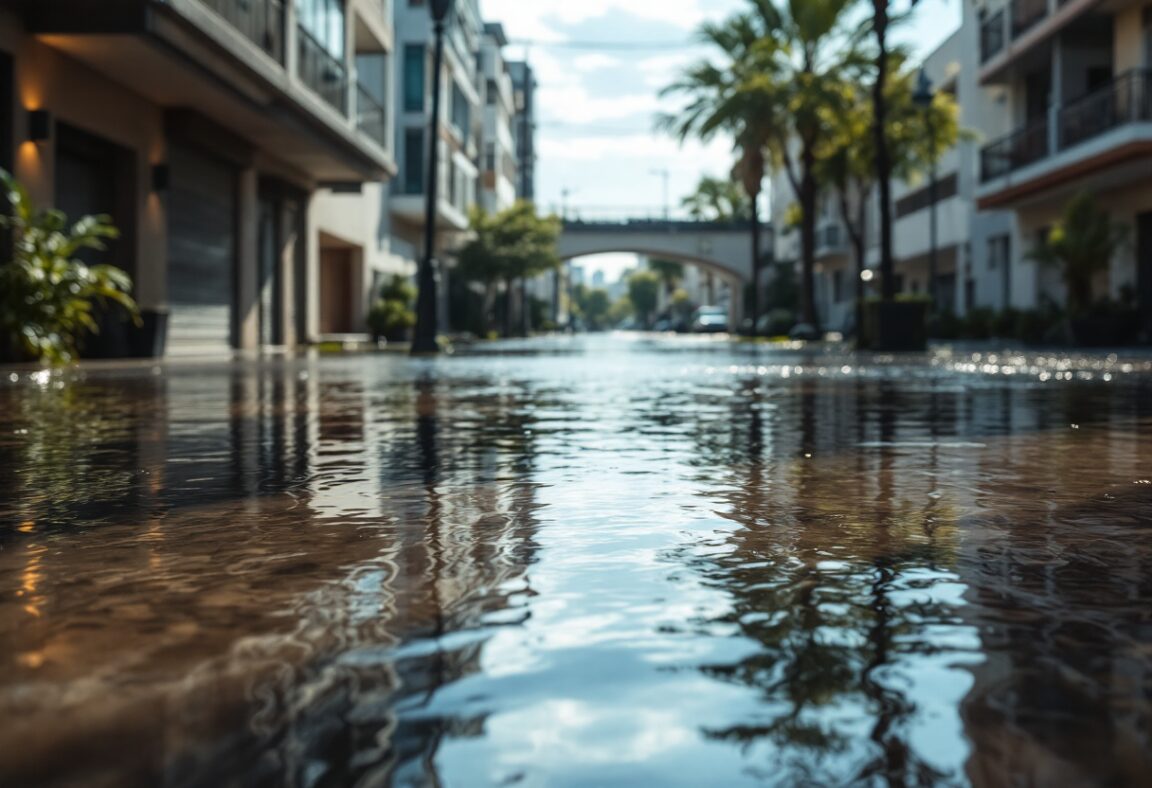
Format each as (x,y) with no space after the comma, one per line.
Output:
(923,97)
(428,277)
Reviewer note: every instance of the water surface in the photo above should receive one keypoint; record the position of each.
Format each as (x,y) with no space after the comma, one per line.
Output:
(605,561)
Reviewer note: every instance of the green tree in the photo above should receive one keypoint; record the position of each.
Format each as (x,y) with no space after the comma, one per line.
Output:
(783,76)
(1082,244)
(643,292)
(669,271)
(514,244)
(918,135)
(48,295)
(593,305)
(717,200)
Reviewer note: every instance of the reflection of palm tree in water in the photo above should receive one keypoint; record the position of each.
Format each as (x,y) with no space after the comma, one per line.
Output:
(811,575)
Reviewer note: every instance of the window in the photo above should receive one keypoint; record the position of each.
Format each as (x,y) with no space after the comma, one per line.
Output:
(372,73)
(998,250)
(461,111)
(414,77)
(323,20)
(492,91)
(413,161)
(837,286)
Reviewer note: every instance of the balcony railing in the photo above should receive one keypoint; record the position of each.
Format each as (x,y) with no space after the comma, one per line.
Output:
(1128,99)
(371,116)
(1026,14)
(1017,150)
(323,72)
(261,22)
(992,36)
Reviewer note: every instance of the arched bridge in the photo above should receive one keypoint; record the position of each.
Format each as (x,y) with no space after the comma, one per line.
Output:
(724,248)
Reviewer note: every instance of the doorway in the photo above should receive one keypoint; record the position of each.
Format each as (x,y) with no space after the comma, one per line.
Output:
(337,291)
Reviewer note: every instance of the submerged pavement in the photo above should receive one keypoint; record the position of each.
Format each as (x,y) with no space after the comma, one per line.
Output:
(590,561)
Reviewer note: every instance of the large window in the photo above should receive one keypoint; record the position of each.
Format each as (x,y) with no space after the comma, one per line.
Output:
(413,161)
(323,20)
(414,77)
(461,111)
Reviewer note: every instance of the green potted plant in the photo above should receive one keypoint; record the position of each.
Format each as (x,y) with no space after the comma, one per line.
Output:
(1081,244)
(49,297)
(391,318)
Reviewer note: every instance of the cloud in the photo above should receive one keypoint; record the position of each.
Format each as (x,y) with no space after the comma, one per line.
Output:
(685,14)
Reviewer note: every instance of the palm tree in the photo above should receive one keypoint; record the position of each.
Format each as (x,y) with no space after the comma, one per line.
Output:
(881,21)
(720,101)
(781,84)
(717,200)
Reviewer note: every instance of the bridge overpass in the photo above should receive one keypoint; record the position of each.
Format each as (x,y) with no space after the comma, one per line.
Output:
(723,249)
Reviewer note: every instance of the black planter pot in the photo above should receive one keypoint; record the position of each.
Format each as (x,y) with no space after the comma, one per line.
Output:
(148,339)
(894,326)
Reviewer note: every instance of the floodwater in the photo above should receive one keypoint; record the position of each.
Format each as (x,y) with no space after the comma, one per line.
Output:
(601,561)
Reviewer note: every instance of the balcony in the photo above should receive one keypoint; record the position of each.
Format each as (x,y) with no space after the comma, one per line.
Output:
(1104,127)
(1026,14)
(326,76)
(371,116)
(1127,100)
(1019,149)
(232,60)
(260,21)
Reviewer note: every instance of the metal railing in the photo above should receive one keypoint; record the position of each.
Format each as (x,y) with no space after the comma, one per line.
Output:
(1018,149)
(322,72)
(260,21)
(1127,99)
(992,36)
(371,116)
(1026,14)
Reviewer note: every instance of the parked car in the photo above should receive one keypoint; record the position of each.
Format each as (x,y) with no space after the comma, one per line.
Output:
(710,320)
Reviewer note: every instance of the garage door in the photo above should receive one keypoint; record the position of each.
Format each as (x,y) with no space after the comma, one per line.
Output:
(201,252)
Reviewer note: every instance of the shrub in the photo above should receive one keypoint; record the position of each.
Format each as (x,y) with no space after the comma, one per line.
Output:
(390,319)
(47,293)
(977,324)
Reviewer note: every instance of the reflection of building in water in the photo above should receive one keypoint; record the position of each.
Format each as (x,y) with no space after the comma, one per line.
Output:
(1056,563)
(295,531)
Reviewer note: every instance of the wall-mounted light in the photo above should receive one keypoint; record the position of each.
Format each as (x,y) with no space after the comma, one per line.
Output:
(161,176)
(39,125)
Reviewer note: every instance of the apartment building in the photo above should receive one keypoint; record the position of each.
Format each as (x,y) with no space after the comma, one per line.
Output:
(524,86)
(205,128)
(1072,82)
(499,171)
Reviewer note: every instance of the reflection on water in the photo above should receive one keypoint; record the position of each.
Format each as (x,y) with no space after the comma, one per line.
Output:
(588,562)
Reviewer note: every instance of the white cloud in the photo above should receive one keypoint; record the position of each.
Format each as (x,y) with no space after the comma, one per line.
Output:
(595,61)
(685,14)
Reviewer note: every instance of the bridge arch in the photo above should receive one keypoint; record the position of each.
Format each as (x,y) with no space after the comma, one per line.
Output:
(720,248)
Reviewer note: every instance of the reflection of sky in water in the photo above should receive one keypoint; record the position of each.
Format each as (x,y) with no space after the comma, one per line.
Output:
(671,562)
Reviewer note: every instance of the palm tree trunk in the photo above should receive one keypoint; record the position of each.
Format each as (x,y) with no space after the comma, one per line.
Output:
(508,307)
(808,196)
(883,158)
(525,312)
(756,254)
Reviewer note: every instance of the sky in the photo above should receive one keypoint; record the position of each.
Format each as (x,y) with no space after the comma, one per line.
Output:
(596,103)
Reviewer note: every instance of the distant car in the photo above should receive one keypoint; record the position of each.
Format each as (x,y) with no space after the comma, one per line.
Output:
(710,320)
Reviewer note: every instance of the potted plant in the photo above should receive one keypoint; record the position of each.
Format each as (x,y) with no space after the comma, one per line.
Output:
(49,298)
(391,318)
(1082,244)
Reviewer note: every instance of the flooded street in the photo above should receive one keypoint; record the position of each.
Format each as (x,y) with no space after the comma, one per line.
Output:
(591,561)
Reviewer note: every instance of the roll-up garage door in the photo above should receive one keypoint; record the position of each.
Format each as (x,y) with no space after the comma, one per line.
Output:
(201,252)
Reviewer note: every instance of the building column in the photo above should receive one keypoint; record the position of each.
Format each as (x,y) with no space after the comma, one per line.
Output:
(288,244)
(248,260)
(311,285)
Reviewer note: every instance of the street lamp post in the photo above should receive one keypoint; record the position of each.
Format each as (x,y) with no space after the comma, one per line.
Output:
(923,97)
(664,174)
(427,278)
